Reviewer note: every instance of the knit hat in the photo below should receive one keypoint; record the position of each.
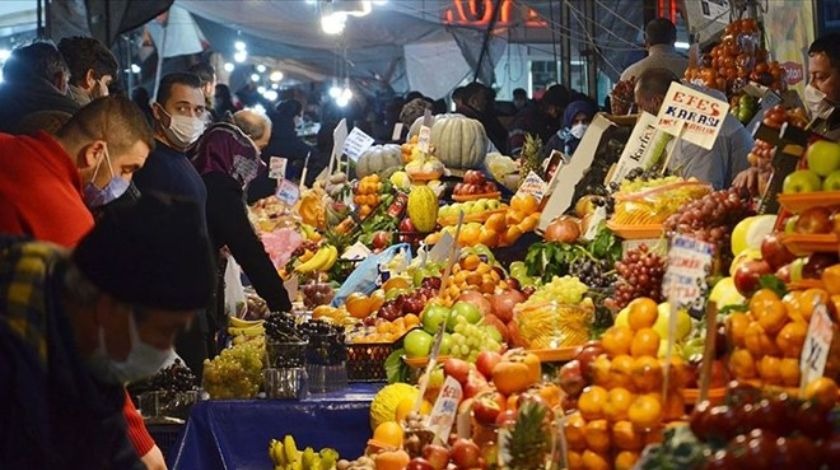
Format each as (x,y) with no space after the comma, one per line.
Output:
(154,254)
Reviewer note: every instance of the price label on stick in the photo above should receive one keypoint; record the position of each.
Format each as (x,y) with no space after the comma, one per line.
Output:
(277,168)
(424,139)
(339,136)
(692,115)
(445,409)
(357,143)
(397,134)
(817,346)
(287,192)
(533,185)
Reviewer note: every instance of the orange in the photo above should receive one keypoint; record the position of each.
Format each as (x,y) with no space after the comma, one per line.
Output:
(591,402)
(621,371)
(391,460)
(771,315)
(645,343)
(488,237)
(647,374)
(736,328)
(626,460)
(574,431)
(759,298)
(529,223)
(642,313)
(389,433)
(405,407)
(513,233)
(496,222)
(600,368)
(551,394)
(757,342)
(377,299)
(831,279)
(626,437)
(470,234)
(791,339)
(789,371)
(809,299)
(514,218)
(470,262)
(411,320)
(618,402)
(358,305)
(617,340)
(645,412)
(742,364)
(792,301)
(597,436)
(823,391)
(594,461)
(769,369)
(524,203)
(575,460)
(396,283)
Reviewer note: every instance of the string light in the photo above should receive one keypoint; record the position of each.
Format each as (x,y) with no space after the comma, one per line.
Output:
(239,46)
(261,90)
(5,54)
(255,77)
(270,95)
(135,68)
(276,76)
(229,67)
(240,56)
(335,92)
(261,68)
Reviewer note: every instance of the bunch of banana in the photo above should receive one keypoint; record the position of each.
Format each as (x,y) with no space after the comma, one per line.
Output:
(286,456)
(322,261)
(245,329)
(310,232)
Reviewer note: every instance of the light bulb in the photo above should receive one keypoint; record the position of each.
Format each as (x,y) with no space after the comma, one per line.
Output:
(135,68)
(275,86)
(342,101)
(5,54)
(240,56)
(335,91)
(270,95)
(255,77)
(261,90)
(346,94)
(239,46)
(261,68)
(276,76)
(229,67)
(333,24)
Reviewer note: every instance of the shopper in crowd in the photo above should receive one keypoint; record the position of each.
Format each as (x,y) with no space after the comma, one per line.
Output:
(207,74)
(228,159)
(46,121)
(76,327)
(576,119)
(223,102)
(286,143)
(413,95)
(141,98)
(660,36)
(412,111)
(822,94)
(520,99)
(458,97)
(478,104)
(717,166)
(542,120)
(34,79)
(92,68)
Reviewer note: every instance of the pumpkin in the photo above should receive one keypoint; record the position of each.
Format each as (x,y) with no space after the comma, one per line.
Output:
(384,405)
(378,158)
(459,142)
(423,208)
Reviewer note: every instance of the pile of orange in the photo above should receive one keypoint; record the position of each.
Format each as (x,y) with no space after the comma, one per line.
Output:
(472,273)
(385,331)
(361,306)
(767,339)
(366,195)
(498,230)
(624,410)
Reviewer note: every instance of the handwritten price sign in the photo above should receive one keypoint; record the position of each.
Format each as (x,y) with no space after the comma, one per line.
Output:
(689,262)
(445,409)
(817,346)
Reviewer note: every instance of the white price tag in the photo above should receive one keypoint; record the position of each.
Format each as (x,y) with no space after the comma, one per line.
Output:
(635,151)
(817,346)
(533,185)
(445,409)
(689,262)
(424,139)
(594,222)
(339,136)
(691,115)
(397,134)
(357,143)
(277,168)
(287,192)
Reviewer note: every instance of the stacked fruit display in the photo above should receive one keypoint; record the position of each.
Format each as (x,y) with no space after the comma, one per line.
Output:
(761,155)
(640,274)
(383,331)
(475,186)
(474,211)
(472,272)
(499,229)
(822,174)
(285,455)
(467,332)
(556,315)
(366,194)
(643,201)
(401,302)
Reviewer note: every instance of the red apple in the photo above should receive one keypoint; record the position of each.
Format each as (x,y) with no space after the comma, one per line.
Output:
(437,456)
(407,226)
(494,321)
(588,353)
(419,463)
(747,276)
(783,273)
(457,369)
(571,377)
(476,383)
(465,453)
(506,417)
(504,302)
(477,298)
(487,406)
(816,264)
(485,362)
(381,240)
(813,221)
(774,252)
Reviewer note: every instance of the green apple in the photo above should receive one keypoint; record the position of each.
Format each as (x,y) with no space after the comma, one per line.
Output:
(832,181)
(417,343)
(433,317)
(445,344)
(796,268)
(493,204)
(790,224)
(823,157)
(801,181)
(469,311)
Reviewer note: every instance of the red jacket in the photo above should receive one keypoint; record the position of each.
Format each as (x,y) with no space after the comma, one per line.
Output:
(41,196)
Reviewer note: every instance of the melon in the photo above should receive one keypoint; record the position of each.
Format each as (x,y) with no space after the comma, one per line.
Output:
(423,208)
(384,405)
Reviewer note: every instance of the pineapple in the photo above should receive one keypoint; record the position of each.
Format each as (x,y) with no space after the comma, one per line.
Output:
(531,157)
(526,446)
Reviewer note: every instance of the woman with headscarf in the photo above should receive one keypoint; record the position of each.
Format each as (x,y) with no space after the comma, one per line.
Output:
(227,160)
(576,119)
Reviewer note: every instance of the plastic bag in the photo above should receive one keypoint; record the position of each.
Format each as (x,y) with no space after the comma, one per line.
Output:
(364,278)
(235,301)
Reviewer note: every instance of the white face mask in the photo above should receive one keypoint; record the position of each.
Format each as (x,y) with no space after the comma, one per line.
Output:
(815,102)
(298,121)
(578,130)
(143,360)
(183,131)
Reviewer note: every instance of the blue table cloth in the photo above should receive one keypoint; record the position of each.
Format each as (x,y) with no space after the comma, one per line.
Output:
(234,434)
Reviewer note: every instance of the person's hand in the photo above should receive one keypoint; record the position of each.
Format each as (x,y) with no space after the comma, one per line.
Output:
(153,460)
(748,179)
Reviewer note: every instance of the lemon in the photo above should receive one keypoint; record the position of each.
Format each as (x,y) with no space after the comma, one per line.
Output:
(621,318)
(750,232)
(724,293)
(661,325)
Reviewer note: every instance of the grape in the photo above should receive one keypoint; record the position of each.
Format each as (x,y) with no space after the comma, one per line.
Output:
(236,372)
(471,340)
(640,274)
(564,290)
(175,378)
(593,273)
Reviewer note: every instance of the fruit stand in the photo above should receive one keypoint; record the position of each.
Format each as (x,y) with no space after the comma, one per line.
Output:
(445,321)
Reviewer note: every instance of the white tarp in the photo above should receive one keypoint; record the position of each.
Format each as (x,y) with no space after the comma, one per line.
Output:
(179,36)
(435,68)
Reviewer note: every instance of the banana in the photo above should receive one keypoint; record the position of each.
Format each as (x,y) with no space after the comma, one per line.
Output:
(333,256)
(240,323)
(290,448)
(276,453)
(314,263)
(255,330)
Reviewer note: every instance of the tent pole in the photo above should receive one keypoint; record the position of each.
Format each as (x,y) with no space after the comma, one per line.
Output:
(486,42)
(566,45)
(592,57)
(40,14)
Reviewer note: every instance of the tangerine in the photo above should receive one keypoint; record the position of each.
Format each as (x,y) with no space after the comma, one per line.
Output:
(769,369)
(789,371)
(792,302)
(396,282)
(759,298)
(389,433)
(757,342)
(792,338)
(626,460)
(575,460)
(736,328)
(600,368)
(513,233)
(621,371)
(591,402)
(488,237)
(771,315)
(574,431)
(597,436)
(529,223)
(524,203)
(513,218)
(823,391)
(645,343)
(647,374)
(626,437)
(618,402)
(617,340)
(809,299)
(496,222)
(742,364)
(470,234)
(391,460)
(594,461)
(642,313)
(645,412)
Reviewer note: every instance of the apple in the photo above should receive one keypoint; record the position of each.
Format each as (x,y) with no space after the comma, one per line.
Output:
(571,377)
(587,355)
(816,264)
(417,343)
(835,222)
(382,240)
(505,418)
(457,369)
(504,302)
(433,316)
(801,181)
(774,252)
(832,181)
(445,344)
(487,406)
(419,463)
(437,456)
(790,224)
(797,268)
(783,273)
(485,362)
(498,326)
(476,383)
(477,298)
(814,220)
(468,311)
(823,157)
(465,453)
(747,276)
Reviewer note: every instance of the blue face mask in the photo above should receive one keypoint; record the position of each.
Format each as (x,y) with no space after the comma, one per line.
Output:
(116,186)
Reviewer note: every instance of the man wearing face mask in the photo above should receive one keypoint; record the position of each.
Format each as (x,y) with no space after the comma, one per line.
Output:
(822,94)
(228,159)
(92,68)
(179,122)
(76,327)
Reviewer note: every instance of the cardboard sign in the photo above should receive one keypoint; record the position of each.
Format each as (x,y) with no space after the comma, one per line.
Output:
(397,134)
(635,153)
(689,262)
(277,168)
(339,136)
(692,115)
(817,346)
(287,192)
(357,143)
(445,409)
(533,185)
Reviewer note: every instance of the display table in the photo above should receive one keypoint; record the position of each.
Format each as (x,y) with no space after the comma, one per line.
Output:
(235,433)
